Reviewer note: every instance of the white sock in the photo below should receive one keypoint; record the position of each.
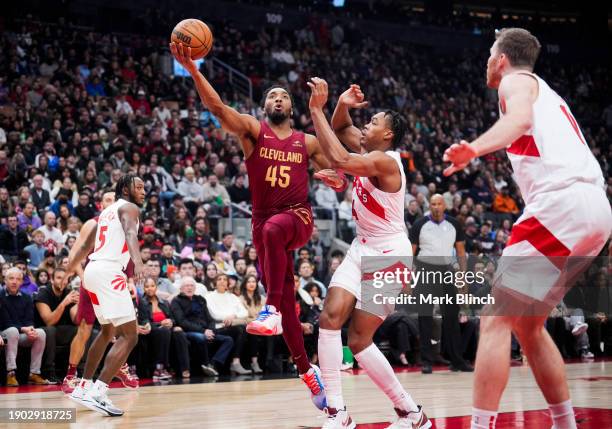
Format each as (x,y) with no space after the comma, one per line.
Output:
(483,419)
(563,415)
(99,388)
(330,362)
(379,370)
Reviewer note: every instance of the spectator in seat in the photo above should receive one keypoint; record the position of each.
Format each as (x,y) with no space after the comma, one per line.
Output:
(164,333)
(85,208)
(187,269)
(210,275)
(326,198)
(18,329)
(481,193)
(165,288)
(167,258)
(239,192)
(319,251)
(42,279)
(57,311)
(28,286)
(13,239)
(215,194)
(201,234)
(54,238)
(504,203)
(191,190)
(28,220)
(253,301)
(191,314)
(40,196)
(307,276)
(230,319)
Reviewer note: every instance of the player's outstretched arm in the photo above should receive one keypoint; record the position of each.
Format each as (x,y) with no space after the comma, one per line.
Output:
(518,93)
(128,215)
(82,246)
(245,126)
(341,122)
(373,164)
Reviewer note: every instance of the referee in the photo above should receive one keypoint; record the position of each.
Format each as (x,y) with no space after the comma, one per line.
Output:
(435,237)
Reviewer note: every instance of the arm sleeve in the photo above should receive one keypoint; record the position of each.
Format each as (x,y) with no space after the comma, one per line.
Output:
(460,235)
(415,231)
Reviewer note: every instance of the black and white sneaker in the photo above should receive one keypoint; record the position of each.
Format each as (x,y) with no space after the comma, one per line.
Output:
(101,404)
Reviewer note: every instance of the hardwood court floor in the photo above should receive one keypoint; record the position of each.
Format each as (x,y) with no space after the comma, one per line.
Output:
(283,403)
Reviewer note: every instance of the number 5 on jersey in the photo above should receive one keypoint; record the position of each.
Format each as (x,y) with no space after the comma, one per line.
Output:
(102,237)
(283,177)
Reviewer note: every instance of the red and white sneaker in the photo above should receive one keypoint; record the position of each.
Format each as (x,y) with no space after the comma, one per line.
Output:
(313,380)
(128,377)
(269,322)
(70,382)
(410,420)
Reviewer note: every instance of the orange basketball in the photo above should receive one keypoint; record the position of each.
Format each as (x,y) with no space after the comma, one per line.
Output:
(195,34)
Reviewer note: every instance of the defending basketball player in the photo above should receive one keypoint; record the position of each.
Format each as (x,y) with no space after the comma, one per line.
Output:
(86,315)
(277,163)
(116,242)
(378,210)
(566,215)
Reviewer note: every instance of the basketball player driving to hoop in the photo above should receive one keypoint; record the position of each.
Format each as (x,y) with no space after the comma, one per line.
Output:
(379,189)
(277,164)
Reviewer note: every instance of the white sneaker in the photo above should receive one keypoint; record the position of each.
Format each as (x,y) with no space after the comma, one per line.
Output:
(269,322)
(580,329)
(100,403)
(338,419)
(78,394)
(410,420)
(586,354)
(313,380)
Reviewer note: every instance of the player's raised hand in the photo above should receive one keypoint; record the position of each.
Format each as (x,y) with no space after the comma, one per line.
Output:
(330,177)
(459,155)
(353,97)
(182,54)
(318,96)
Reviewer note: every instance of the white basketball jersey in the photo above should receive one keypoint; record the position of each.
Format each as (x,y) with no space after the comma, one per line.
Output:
(376,212)
(553,154)
(110,244)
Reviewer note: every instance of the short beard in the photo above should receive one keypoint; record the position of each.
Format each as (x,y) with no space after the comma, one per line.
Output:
(277,118)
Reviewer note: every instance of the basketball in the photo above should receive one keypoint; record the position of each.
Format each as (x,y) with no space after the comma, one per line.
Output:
(195,34)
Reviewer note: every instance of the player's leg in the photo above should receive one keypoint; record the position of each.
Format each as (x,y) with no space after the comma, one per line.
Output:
(278,233)
(97,349)
(127,338)
(548,368)
(337,308)
(361,331)
(492,369)
(96,397)
(77,346)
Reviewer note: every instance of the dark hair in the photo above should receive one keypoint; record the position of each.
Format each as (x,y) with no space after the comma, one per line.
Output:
(58,270)
(270,88)
(398,126)
(245,295)
(309,286)
(123,183)
(519,45)
(226,233)
(184,261)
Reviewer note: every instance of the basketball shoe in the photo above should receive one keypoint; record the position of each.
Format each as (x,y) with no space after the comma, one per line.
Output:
(97,400)
(70,382)
(127,377)
(269,322)
(312,379)
(338,419)
(78,393)
(410,420)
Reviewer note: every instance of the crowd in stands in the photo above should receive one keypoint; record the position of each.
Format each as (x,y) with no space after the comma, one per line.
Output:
(79,109)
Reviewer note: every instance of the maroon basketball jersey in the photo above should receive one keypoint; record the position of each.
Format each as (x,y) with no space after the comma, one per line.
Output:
(278,171)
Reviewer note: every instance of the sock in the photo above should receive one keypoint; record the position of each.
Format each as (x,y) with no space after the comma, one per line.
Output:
(72,370)
(563,415)
(379,370)
(99,388)
(483,419)
(330,360)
